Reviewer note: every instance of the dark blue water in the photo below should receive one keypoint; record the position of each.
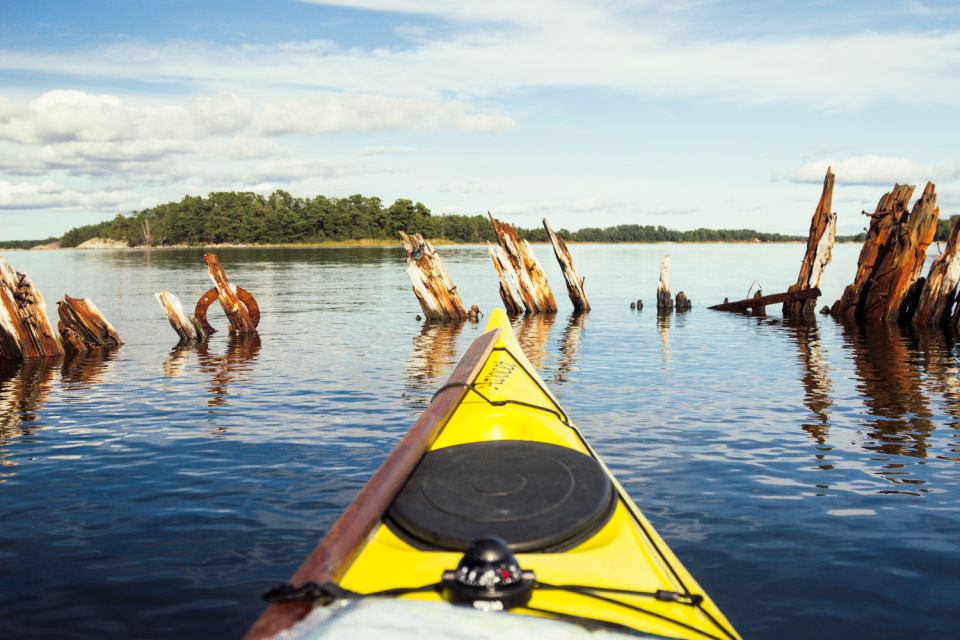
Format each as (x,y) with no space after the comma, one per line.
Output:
(807,475)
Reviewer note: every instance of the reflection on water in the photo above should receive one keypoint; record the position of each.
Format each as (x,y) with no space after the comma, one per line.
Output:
(815,379)
(233,365)
(663,329)
(710,420)
(569,341)
(533,334)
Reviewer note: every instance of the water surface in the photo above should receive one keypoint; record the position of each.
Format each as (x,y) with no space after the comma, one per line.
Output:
(806,474)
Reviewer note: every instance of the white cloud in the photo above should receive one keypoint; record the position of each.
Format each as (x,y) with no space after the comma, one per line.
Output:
(875,170)
(386,151)
(48,195)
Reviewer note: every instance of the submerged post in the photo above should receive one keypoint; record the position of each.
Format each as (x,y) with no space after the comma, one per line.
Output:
(511,301)
(82,326)
(25,329)
(573,279)
(939,290)
(241,311)
(531,281)
(820,242)
(432,285)
(187,327)
(664,301)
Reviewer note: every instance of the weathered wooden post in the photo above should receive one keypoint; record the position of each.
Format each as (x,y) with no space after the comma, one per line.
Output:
(25,330)
(820,242)
(512,302)
(241,311)
(664,301)
(82,327)
(432,285)
(532,283)
(939,290)
(573,279)
(683,303)
(187,327)
(892,257)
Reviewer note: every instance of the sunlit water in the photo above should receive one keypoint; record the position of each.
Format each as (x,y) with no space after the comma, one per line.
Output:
(806,475)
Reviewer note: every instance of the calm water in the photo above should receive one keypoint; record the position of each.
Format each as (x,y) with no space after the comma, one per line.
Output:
(807,475)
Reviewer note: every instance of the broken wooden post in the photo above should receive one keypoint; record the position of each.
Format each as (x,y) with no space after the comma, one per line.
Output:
(512,302)
(820,242)
(759,308)
(892,256)
(683,302)
(82,327)
(187,327)
(939,290)
(241,310)
(531,282)
(432,285)
(574,281)
(762,301)
(25,330)
(664,301)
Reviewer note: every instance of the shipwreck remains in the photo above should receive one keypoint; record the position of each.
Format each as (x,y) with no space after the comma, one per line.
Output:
(940,288)
(238,305)
(664,301)
(573,279)
(891,258)
(432,285)
(527,273)
(820,242)
(26,332)
(82,327)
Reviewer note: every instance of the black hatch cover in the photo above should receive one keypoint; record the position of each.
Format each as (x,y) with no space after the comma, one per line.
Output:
(533,495)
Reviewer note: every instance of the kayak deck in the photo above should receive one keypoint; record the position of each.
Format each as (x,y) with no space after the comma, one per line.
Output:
(619,575)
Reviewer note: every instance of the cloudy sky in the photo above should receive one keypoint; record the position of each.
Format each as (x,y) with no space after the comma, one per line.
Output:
(687,113)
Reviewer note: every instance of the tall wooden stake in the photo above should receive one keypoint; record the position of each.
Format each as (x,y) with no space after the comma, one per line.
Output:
(664,301)
(531,281)
(939,290)
(574,281)
(432,284)
(187,327)
(512,302)
(820,242)
(241,319)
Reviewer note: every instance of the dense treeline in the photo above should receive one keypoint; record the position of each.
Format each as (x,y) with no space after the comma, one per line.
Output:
(249,218)
(281,218)
(24,244)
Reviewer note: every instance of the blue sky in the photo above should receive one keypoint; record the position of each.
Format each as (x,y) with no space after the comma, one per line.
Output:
(686,114)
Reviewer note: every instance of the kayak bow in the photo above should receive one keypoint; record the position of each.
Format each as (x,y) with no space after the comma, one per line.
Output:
(494,499)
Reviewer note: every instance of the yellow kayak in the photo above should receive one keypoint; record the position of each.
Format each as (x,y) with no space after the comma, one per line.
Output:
(494,502)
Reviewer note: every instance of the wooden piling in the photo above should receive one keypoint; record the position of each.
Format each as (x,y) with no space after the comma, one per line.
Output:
(187,327)
(82,326)
(939,289)
(683,303)
(664,301)
(508,294)
(892,256)
(531,282)
(820,242)
(243,316)
(573,279)
(25,329)
(432,285)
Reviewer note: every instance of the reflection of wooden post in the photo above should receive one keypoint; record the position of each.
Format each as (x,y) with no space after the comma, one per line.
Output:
(820,241)
(892,256)
(511,301)
(937,296)
(531,281)
(664,301)
(241,319)
(432,284)
(25,330)
(574,281)
(82,327)
(187,327)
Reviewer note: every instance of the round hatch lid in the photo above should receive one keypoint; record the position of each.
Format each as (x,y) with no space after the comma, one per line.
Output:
(533,495)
